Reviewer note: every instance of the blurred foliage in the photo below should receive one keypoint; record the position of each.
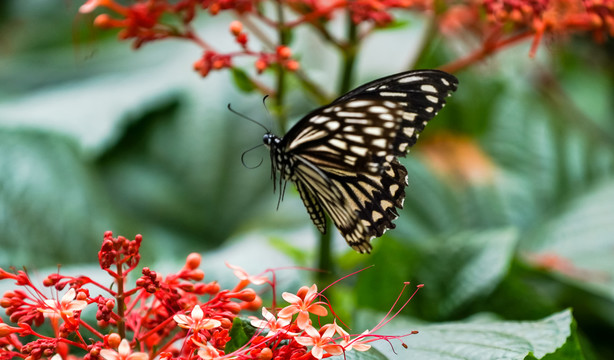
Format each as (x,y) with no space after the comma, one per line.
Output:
(509,209)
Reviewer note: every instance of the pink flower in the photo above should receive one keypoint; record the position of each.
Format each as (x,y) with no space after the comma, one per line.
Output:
(243,275)
(91,5)
(275,326)
(206,351)
(356,344)
(123,353)
(303,306)
(338,329)
(195,320)
(320,343)
(65,308)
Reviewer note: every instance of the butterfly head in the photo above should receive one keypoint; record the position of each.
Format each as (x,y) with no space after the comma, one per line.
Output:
(270,140)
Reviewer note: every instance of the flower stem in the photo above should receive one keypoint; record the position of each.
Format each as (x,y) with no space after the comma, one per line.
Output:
(282,32)
(349,52)
(121,325)
(349,56)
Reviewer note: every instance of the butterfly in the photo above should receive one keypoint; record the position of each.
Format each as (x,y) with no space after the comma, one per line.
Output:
(343,157)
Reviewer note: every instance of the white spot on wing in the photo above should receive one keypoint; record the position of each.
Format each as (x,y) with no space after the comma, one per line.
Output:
(359,103)
(359,150)
(338,144)
(377,109)
(381,143)
(428,88)
(393,94)
(350,114)
(432,99)
(355,138)
(333,125)
(387,117)
(409,79)
(375,131)
(319,119)
(409,116)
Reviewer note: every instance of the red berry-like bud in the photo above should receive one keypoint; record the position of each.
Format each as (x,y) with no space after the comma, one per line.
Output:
(265,354)
(261,65)
(254,305)
(110,304)
(197,275)
(236,27)
(246,295)
(284,52)
(193,261)
(102,323)
(292,65)
(242,39)
(233,307)
(213,288)
(226,323)
(114,339)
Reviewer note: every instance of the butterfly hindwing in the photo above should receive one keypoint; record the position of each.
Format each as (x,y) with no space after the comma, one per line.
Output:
(343,156)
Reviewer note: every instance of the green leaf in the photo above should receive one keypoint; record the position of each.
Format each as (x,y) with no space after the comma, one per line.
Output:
(571,350)
(482,339)
(48,196)
(455,271)
(242,80)
(396,24)
(371,354)
(240,333)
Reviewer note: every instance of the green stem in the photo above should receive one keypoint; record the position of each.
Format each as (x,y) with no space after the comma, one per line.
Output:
(281,73)
(121,305)
(325,260)
(349,52)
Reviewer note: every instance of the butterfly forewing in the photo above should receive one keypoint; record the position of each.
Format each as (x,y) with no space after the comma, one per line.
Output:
(343,156)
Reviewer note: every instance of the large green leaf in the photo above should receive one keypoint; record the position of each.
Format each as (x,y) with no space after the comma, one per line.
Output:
(455,271)
(481,339)
(581,236)
(51,208)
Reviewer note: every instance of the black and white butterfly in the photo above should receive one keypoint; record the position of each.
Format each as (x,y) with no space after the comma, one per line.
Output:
(343,156)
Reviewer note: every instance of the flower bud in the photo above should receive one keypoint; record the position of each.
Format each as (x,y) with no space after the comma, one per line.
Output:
(254,305)
(265,354)
(197,275)
(260,65)
(284,52)
(245,295)
(236,27)
(193,261)
(114,339)
(292,65)
(233,307)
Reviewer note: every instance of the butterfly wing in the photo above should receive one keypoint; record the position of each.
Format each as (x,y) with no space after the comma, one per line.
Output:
(344,154)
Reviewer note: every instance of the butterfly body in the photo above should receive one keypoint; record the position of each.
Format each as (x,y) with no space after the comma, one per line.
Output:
(342,157)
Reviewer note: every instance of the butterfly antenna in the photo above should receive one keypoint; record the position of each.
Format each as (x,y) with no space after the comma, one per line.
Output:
(248,118)
(267,108)
(243,158)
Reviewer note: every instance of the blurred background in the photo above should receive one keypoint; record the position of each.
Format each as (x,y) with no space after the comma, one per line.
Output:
(510,207)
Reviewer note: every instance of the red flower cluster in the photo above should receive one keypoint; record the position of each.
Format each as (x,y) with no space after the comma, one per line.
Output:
(554,16)
(166,316)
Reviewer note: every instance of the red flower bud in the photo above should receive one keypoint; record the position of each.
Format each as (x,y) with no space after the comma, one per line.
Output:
(261,65)
(284,52)
(236,27)
(197,275)
(193,261)
(292,65)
